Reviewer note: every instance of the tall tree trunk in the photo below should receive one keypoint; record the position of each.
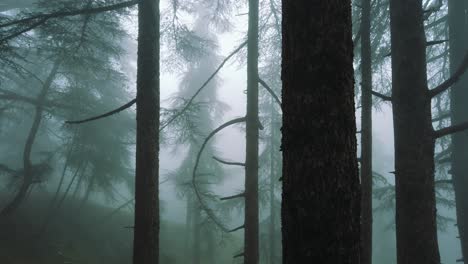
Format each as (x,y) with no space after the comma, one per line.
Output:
(366,134)
(188,226)
(28,174)
(273,179)
(321,197)
(146,230)
(251,253)
(416,228)
(458,38)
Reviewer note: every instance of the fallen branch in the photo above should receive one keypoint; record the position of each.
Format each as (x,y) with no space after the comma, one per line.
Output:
(272,93)
(115,111)
(228,162)
(452,80)
(450,130)
(208,211)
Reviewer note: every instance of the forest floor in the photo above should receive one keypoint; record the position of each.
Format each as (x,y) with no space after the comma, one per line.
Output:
(81,234)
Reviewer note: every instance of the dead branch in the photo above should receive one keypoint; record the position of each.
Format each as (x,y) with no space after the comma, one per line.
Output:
(452,80)
(450,130)
(270,91)
(115,111)
(237,228)
(382,96)
(228,162)
(233,197)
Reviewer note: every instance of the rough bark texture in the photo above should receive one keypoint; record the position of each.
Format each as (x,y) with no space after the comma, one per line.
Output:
(458,38)
(366,134)
(321,190)
(28,174)
(146,231)
(251,254)
(416,228)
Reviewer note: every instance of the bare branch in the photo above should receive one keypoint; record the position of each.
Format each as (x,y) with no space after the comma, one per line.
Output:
(204,85)
(115,111)
(208,211)
(233,197)
(443,182)
(237,228)
(441,117)
(239,255)
(450,130)
(228,162)
(382,96)
(272,93)
(452,80)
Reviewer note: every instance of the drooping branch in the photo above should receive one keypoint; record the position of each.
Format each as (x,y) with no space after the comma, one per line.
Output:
(20,32)
(85,11)
(233,197)
(228,162)
(208,211)
(452,80)
(272,93)
(382,96)
(239,255)
(450,130)
(204,85)
(237,228)
(115,111)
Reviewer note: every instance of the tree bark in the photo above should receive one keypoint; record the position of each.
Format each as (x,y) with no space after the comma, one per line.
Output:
(273,179)
(196,242)
(28,174)
(251,254)
(416,227)
(321,190)
(458,41)
(366,134)
(146,231)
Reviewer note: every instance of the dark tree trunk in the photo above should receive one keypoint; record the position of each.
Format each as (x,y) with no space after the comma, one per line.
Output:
(458,38)
(273,179)
(366,134)
(321,189)
(416,228)
(146,231)
(28,174)
(196,242)
(251,254)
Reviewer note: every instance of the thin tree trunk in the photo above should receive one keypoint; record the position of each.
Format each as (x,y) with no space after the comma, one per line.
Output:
(458,40)
(321,197)
(272,247)
(196,235)
(188,225)
(28,174)
(251,254)
(146,231)
(416,228)
(366,134)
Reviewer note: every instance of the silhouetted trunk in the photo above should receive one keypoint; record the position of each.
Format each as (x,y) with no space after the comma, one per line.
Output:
(321,197)
(252,125)
(273,179)
(458,38)
(146,229)
(28,174)
(188,226)
(366,134)
(416,228)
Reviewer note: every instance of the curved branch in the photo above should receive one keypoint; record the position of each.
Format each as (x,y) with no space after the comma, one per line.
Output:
(452,80)
(115,111)
(237,228)
(233,197)
(208,211)
(228,162)
(203,85)
(272,93)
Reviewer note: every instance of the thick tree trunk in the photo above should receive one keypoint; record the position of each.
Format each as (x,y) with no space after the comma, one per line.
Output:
(146,231)
(416,228)
(28,174)
(458,38)
(366,134)
(251,254)
(321,196)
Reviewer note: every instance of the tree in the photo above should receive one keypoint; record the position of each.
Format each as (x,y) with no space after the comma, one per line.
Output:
(366,134)
(458,41)
(146,232)
(321,196)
